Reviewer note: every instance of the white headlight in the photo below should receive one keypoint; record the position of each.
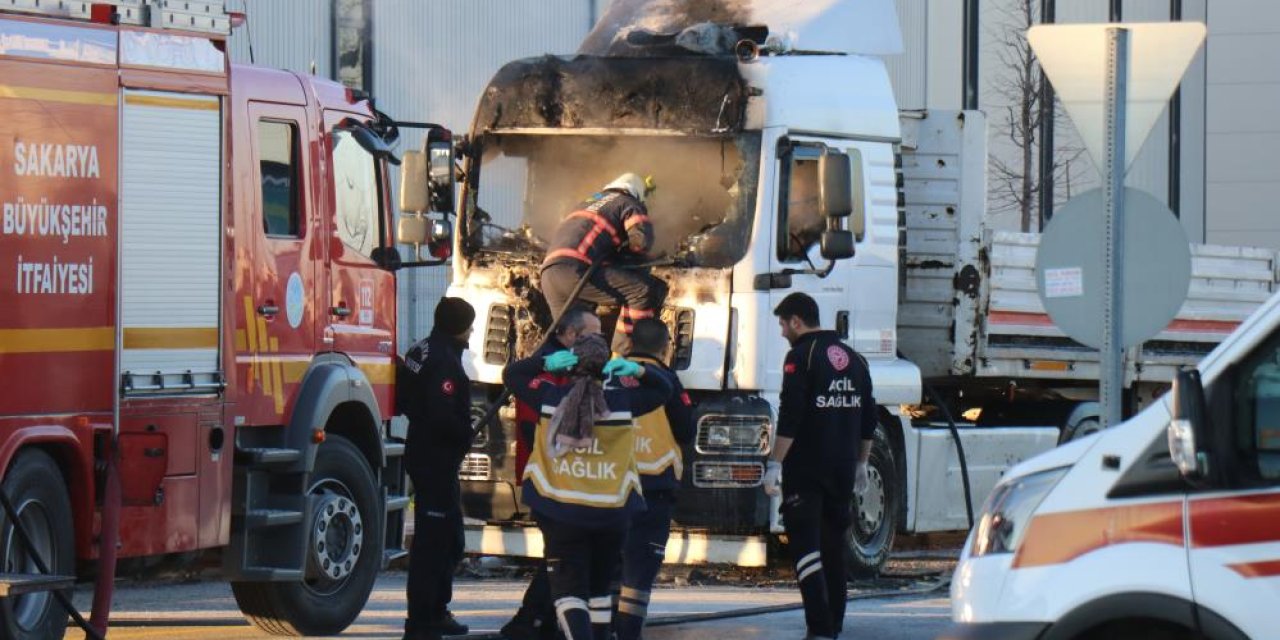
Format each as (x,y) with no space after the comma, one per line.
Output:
(1009,509)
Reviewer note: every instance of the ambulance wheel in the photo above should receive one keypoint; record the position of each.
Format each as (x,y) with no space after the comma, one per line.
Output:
(875,512)
(344,552)
(35,487)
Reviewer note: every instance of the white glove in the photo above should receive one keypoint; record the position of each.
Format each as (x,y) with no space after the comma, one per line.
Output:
(773,478)
(860,480)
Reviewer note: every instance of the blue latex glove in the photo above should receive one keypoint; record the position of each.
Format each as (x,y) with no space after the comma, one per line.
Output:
(622,368)
(563,360)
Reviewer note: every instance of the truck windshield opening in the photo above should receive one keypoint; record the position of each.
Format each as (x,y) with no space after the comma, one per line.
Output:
(702,207)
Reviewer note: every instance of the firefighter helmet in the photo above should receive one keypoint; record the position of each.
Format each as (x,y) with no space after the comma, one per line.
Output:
(632,183)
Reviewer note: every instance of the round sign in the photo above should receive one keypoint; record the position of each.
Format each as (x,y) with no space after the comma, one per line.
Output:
(294,300)
(1155,258)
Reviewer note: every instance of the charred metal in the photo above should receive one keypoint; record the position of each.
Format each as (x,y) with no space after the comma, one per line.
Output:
(694,95)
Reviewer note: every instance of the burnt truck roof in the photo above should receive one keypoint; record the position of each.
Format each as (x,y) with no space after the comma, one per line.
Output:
(695,95)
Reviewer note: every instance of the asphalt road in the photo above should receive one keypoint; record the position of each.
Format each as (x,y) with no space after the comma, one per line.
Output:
(207,610)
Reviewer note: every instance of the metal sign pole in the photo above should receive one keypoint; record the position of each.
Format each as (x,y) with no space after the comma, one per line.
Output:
(1111,356)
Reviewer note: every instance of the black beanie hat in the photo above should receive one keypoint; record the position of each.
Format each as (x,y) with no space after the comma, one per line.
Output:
(454,316)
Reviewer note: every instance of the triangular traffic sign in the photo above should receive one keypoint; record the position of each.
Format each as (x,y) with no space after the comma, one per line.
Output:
(1074,57)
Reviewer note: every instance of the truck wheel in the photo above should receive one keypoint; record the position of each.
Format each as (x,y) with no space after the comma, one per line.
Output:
(35,487)
(875,512)
(344,552)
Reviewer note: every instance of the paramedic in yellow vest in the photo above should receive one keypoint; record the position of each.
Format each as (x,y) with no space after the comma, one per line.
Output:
(659,438)
(581,481)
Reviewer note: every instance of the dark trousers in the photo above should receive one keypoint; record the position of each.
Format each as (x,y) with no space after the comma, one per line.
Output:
(642,554)
(816,521)
(580,565)
(639,294)
(536,618)
(438,545)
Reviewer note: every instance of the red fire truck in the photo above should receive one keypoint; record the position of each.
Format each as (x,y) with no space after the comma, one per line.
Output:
(197,261)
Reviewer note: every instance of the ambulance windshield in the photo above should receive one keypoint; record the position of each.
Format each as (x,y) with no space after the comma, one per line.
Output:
(701,209)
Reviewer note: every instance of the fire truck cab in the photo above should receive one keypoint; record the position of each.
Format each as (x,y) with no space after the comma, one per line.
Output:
(198,261)
(1166,526)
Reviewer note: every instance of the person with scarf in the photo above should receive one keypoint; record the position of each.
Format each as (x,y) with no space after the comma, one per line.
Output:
(581,480)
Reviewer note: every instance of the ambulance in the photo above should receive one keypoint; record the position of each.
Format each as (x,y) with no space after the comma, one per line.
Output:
(1167,526)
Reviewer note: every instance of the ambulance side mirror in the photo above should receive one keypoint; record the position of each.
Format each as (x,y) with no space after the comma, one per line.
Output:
(1188,430)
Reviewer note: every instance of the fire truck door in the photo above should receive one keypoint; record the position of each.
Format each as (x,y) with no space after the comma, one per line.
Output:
(279,318)
(1234,546)
(362,304)
(171,237)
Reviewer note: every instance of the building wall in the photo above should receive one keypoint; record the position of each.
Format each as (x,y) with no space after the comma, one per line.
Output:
(432,59)
(1242,176)
(286,34)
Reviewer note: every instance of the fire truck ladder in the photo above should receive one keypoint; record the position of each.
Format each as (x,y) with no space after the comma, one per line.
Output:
(204,16)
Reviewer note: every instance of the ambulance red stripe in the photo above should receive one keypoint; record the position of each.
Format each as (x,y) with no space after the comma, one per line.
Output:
(1061,537)
(1221,522)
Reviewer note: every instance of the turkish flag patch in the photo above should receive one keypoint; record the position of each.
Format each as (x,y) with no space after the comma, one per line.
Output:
(839,359)
(629,382)
(790,367)
(684,397)
(447,387)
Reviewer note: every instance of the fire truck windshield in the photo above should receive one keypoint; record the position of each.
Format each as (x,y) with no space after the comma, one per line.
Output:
(701,209)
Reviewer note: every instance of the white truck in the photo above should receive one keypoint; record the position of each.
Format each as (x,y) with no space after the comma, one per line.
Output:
(753,137)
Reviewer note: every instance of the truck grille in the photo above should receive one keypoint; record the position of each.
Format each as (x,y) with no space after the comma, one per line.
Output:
(682,340)
(476,466)
(498,334)
(732,435)
(727,475)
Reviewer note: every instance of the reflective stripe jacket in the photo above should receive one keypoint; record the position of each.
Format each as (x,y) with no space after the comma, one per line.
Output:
(597,486)
(662,433)
(607,226)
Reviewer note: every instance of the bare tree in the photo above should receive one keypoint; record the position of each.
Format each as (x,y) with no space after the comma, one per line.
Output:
(1015,180)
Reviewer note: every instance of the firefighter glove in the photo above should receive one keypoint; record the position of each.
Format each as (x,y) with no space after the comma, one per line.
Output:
(773,478)
(622,368)
(562,360)
(860,480)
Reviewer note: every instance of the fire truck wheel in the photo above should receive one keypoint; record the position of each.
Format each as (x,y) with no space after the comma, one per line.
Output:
(35,487)
(344,552)
(875,512)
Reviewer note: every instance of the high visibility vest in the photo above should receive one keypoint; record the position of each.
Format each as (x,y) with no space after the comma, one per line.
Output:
(658,455)
(598,485)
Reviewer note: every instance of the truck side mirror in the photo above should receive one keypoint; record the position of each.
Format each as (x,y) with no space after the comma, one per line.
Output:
(1188,430)
(837,244)
(427,177)
(835,184)
(440,175)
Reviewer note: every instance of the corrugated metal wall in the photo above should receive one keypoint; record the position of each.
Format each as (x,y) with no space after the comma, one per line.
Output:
(432,59)
(909,71)
(287,34)
(1242,132)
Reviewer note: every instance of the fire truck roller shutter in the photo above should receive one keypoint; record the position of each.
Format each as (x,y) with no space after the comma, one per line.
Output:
(171,241)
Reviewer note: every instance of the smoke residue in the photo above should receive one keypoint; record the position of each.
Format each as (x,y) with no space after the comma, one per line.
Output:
(701,182)
(659,17)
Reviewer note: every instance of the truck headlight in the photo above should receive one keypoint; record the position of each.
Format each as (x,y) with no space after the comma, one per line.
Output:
(1008,511)
(740,435)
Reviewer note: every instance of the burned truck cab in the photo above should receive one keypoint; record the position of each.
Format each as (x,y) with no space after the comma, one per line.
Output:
(775,173)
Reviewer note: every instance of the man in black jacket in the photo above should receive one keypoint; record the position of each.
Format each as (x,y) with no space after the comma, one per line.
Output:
(826,422)
(437,400)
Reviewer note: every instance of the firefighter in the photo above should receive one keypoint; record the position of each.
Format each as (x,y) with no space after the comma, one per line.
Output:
(610,228)
(437,401)
(581,480)
(659,438)
(826,421)
(536,617)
